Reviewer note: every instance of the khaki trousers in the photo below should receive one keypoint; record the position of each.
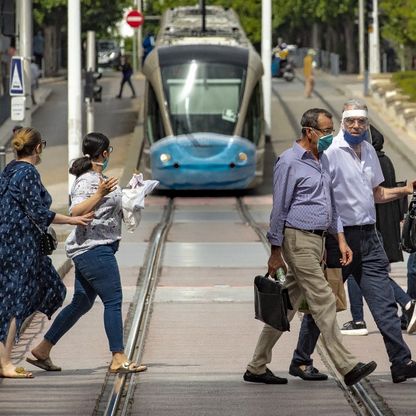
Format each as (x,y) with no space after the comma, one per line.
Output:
(309,84)
(303,253)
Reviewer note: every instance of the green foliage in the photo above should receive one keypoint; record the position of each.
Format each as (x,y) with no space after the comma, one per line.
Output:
(406,81)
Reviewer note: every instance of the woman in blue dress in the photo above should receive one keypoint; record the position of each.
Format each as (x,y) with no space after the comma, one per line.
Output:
(28,280)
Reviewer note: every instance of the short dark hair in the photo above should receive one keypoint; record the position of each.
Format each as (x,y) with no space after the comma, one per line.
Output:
(310,118)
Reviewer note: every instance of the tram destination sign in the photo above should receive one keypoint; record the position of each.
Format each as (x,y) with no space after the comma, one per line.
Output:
(135,19)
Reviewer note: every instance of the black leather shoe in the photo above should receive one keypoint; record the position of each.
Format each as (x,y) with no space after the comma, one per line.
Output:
(267,378)
(310,373)
(360,371)
(402,372)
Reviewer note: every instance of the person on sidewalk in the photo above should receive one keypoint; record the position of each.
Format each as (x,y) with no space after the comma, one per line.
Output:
(352,160)
(308,73)
(388,218)
(127,72)
(303,211)
(28,280)
(35,74)
(92,250)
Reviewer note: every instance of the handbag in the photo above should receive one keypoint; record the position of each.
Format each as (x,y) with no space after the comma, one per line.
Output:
(408,238)
(271,302)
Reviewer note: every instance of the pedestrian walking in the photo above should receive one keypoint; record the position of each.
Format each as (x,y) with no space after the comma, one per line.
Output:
(28,280)
(35,74)
(38,48)
(308,73)
(92,250)
(356,177)
(388,218)
(303,211)
(127,72)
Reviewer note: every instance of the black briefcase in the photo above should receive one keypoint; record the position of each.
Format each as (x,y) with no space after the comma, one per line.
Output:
(271,303)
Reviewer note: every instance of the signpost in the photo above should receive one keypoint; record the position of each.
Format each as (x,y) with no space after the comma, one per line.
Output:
(17,85)
(135,19)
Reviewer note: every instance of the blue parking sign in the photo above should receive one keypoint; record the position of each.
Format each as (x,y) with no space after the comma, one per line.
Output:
(17,85)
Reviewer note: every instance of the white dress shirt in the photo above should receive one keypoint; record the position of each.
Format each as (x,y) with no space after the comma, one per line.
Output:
(353,180)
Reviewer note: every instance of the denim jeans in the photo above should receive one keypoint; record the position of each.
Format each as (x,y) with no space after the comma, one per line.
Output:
(411,276)
(370,269)
(96,273)
(356,297)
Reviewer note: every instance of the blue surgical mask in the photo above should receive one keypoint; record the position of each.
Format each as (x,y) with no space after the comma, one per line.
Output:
(105,164)
(324,142)
(351,139)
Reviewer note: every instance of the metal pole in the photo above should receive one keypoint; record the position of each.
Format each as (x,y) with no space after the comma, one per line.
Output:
(90,67)
(361,36)
(25,50)
(139,39)
(74,84)
(134,57)
(266,56)
(374,43)
(2,158)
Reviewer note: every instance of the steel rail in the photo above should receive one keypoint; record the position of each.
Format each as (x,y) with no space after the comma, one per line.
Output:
(135,340)
(357,395)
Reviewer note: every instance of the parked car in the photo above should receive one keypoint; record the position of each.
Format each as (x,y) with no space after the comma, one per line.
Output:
(108,53)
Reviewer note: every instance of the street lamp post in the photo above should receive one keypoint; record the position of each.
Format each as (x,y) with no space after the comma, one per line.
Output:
(266,53)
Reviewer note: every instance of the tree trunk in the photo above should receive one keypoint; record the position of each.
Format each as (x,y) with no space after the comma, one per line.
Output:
(350,46)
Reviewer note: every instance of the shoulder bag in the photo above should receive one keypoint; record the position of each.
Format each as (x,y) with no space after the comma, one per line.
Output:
(408,240)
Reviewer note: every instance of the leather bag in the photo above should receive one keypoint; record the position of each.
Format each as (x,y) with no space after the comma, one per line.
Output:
(271,302)
(408,240)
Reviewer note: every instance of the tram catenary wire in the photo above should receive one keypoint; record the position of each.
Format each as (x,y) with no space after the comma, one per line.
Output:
(123,385)
(359,396)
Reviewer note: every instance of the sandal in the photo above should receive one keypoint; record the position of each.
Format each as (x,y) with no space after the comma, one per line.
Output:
(20,372)
(45,364)
(128,367)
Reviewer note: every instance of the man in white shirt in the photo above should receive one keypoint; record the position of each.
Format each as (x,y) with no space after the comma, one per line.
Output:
(356,175)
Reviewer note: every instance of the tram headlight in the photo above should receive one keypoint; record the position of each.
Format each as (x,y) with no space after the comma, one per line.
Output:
(165,157)
(242,157)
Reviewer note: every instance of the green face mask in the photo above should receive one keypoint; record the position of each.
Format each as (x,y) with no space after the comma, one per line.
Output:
(324,142)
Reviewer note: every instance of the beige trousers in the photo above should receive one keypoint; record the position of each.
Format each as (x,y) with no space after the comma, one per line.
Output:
(303,253)
(309,84)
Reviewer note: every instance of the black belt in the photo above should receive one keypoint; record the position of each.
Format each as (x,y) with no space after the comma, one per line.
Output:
(365,227)
(322,233)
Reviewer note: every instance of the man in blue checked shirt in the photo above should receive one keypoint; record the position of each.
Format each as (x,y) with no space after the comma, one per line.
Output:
(303,211)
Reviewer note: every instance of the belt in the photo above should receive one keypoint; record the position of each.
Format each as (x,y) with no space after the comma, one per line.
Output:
(322,233)
(365,227)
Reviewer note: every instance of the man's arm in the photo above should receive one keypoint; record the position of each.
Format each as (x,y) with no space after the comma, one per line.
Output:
(383,195)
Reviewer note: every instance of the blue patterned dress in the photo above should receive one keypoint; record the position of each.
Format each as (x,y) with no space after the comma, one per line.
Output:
(28,281)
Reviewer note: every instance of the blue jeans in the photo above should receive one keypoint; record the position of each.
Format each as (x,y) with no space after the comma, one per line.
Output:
(96,273)
(356,297)
(411,276)
(370,269)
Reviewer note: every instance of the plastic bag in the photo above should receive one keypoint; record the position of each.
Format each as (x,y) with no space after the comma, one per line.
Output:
(133,200)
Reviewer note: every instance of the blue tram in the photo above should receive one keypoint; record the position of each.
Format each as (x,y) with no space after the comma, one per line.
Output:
(203,107)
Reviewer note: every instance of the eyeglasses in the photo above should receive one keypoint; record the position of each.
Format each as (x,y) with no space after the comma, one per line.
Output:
(350,121)
(43,143)
(329,130)
(110,149)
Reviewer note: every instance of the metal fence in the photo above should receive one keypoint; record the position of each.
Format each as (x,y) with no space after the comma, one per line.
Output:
(326,61)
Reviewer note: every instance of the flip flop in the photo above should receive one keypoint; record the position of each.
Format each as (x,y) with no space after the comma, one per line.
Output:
(127,368)
(45,364)
(20,373)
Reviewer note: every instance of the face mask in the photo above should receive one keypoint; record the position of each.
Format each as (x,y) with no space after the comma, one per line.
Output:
(324,142)
(105,164)
(351,139)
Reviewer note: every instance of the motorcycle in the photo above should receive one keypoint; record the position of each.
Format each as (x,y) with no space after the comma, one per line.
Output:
(283,69)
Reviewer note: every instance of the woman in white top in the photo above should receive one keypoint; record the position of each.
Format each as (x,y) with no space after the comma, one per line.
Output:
(92,250)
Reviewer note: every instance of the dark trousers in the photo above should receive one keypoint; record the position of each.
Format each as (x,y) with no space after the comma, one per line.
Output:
(123,81)
(370,270)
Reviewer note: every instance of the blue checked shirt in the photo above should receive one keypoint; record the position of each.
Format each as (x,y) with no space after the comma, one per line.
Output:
(302,195)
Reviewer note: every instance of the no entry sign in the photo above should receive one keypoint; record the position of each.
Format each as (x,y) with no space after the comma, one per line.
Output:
(135,18)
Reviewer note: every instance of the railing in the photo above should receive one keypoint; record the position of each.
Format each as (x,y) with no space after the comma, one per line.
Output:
(326,61)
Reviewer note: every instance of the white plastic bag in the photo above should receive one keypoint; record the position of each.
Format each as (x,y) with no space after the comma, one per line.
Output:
(133,200)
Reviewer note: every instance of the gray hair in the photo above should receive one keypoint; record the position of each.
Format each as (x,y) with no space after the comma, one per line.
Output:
(354,104)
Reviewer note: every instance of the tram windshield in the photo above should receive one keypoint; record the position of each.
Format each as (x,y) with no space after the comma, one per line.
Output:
(203,97)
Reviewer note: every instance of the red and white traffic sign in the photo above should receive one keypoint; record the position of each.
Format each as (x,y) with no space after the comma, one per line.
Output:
(135,19)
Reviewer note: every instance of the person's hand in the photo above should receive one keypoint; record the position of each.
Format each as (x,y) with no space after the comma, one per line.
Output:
(411,187)
(346,253)
(275,261)
(106,186)
(82,219)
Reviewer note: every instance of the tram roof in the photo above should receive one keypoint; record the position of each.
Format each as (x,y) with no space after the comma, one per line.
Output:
(183,26)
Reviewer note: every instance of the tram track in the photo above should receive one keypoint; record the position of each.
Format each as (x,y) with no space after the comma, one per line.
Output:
(118,390)
(362,397)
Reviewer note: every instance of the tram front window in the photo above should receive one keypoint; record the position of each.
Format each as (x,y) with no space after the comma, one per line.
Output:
(203,97)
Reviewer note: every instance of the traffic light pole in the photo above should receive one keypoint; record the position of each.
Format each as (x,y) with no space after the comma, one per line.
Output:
(90,67)
(74,84)
(266,56)
(374,41)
